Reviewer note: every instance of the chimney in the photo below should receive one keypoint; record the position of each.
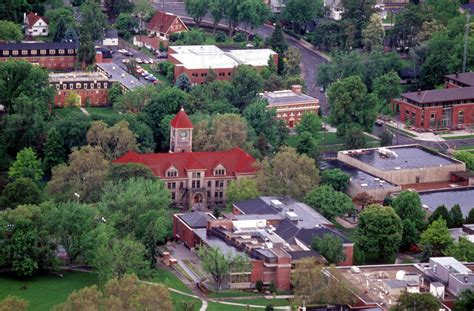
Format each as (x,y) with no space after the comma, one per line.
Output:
(419,91)
(296,89)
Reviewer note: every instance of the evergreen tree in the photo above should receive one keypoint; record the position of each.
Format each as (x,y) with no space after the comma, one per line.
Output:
(86,50)
(456,216)
(182,83)
(307,144)
(470,217)
(26,165)
(277,41)
(70,35)
(54,152)
(60,32)
(441,211)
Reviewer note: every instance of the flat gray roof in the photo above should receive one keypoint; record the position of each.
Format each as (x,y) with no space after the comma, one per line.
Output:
(212,241)
(357,176)
(463,197)
(285,97)
(407,157)
(116,74)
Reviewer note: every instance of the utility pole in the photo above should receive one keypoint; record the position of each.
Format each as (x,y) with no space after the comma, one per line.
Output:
(466,39)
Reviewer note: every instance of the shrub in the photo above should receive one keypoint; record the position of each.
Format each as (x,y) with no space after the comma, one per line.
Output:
(259,285)
(220,37)
(240,36)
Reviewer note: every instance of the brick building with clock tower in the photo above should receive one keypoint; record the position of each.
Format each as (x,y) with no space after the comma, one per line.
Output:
(195,179)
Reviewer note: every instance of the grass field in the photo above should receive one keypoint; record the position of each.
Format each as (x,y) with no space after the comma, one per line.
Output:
(232,293)
(44,292)
(168,278)
(330,141)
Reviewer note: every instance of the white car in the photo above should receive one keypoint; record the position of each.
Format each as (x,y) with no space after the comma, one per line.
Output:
(145,61)
(151,61)
(138,60)
(126,60)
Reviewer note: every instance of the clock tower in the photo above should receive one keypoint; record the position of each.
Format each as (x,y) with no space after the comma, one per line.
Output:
(181,133)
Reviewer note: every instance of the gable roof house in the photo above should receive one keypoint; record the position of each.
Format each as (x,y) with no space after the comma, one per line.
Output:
(35,25)
(164,24)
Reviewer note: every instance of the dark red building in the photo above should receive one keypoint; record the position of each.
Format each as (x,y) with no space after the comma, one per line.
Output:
(50,55)
(80,88)
(448,108)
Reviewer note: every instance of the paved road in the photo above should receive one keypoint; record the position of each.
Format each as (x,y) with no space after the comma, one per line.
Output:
(310,59)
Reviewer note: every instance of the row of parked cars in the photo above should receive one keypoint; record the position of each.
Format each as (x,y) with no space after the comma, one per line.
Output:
(145,74)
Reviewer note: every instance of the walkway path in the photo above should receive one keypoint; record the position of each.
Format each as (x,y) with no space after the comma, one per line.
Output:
(84,111)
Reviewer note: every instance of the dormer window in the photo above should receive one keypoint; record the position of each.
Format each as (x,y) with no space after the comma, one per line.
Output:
(172,172)
(219,171)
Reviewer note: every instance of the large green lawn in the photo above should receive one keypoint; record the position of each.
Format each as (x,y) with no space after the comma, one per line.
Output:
(44,292)
(169,279)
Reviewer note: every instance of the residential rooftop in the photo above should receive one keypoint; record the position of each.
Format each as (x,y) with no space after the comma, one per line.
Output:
(116,74)
(401,157)
(196,219)
(464,197)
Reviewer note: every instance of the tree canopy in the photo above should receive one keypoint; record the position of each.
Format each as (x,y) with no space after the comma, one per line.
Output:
(329,202)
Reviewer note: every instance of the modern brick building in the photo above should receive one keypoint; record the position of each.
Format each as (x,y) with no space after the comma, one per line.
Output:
(80,88)
(35,25)
(195,179)
(273,232)
(291,105)
(50,55)
(196,61)
(164,24)
(449,108)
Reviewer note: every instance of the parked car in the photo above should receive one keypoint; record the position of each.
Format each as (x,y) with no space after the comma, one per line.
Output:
(151,61)
(138,60)
(126,60)
(161,55)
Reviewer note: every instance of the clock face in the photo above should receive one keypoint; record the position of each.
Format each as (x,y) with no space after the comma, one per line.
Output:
(183,134)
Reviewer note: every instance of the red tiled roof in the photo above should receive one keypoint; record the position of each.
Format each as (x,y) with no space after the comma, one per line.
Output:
(235,161)
(161,22)
(181,121)
(32,18)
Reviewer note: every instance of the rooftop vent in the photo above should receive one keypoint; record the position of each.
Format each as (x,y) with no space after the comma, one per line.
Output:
(292,216)
(276,204)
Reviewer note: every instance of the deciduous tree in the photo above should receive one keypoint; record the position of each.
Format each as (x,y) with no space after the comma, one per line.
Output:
(463,250)
(300,12)
(113,141)
(465,301)
(183,83)
(26,245)
(196,9)
(288,173)
(10,303)
(416,302)
(317,285)
(330,247)
(437,236)
(329,202)
(242,189)
(351,105)
(71,223)
(10,31)
(247,83)
(82,178)
(93,20)
(335,178)
(218,264)
(124,171)
(380,231)
(407,205)
(374,33)
(441,212)
(20,191)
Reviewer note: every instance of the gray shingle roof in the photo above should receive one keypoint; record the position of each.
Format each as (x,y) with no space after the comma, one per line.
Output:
(439,96)
(196,219)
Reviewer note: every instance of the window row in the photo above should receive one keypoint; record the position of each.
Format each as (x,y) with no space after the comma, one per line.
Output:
(80,85)
(38,52)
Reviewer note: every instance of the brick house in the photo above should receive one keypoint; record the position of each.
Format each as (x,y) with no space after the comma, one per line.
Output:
(448,108)
(80,88)
(196,60)
(35,25)
(163,24)
(195,179)
(269,234)
(291,105)
(50,55)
